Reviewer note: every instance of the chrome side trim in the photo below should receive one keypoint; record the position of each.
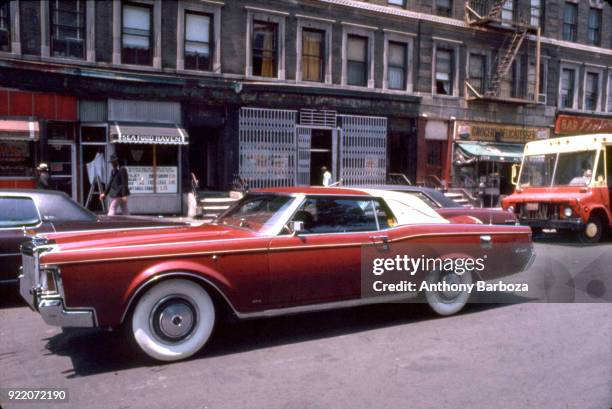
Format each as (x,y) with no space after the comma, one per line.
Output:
(355,302)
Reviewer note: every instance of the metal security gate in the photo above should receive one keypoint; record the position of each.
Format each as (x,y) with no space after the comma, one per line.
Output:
(304,136)
(267,147)
(363,150)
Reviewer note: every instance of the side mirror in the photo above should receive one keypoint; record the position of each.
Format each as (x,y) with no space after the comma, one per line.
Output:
(297,227)
(515,172)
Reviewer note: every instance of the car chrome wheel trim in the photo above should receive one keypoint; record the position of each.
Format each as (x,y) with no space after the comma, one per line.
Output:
(173,318)
(450,278)
(591,230)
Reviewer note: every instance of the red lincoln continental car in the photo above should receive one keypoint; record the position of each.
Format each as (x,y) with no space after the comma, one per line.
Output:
(276,251)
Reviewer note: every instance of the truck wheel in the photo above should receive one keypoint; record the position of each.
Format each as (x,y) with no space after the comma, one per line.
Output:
(447,302)
(592,231)
(173,320)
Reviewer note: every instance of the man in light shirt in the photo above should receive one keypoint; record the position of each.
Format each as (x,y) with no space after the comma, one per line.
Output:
(327,176)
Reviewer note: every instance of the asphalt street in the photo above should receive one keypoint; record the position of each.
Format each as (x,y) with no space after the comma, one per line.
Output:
(517,354)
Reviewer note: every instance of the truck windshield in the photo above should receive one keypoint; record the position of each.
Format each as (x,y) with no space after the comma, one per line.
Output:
(572,169)
(256,212)
(538,170)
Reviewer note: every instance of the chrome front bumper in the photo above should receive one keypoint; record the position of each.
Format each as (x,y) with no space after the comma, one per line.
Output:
(54,313)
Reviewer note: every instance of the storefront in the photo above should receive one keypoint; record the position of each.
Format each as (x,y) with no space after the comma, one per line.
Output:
(433,164)
(148,138)
(37,127)
(567,124)
(483,155)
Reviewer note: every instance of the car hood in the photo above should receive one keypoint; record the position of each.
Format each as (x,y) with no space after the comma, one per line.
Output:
(113,222)
(127,241)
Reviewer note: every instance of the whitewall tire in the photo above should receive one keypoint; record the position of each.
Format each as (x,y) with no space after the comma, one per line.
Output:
(173,320)
(447,303)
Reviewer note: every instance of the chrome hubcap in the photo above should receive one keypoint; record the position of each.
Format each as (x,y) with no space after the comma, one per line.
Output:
(173,318)
(450,278)
(591,230)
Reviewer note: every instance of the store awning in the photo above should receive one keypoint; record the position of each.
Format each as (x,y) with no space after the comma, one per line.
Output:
(152,135)
(15,130)
(468,152)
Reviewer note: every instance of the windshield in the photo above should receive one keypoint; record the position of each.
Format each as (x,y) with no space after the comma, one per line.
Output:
(538,170)
(572,169)
(575,168)
(256,212)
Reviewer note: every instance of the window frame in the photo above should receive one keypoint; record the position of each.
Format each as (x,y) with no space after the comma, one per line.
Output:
(213,10)
(453,47)
(82,30)
(211,40)
(598,103)
(8,29)
(407,39)
(573,26)
(321,56)
(266,16)
(443,11)
(609,92)
(595,31)
(485,67)
(320,24)
(539,15)
(364,63)
(396,3)
(576,71)
(151,36)
(350,29)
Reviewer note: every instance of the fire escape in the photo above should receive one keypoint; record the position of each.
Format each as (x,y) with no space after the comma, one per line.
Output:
(513,29)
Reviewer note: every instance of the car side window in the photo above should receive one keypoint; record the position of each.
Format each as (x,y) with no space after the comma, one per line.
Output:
(17,212)
(334,215)
(384,215)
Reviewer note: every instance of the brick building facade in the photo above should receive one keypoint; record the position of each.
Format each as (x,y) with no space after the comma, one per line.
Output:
(272,90)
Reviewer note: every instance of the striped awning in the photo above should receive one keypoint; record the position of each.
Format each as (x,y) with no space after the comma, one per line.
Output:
(151,135)
(16,130)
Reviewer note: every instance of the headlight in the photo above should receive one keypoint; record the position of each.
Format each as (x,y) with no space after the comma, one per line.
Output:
(567,212)
(511,209)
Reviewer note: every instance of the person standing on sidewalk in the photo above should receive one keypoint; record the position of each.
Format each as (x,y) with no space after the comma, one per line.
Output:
(117,188)
(42,176)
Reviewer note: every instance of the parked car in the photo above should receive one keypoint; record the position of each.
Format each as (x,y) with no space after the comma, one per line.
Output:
(27,212)
(451,210)
(276,251)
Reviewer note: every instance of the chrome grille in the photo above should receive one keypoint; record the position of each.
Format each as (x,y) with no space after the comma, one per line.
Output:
(546,211)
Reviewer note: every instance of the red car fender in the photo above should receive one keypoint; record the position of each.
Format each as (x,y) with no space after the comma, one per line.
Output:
(180,268)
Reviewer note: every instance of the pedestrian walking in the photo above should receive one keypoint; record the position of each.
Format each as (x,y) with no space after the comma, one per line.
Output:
(42,176)
(117,188)
(327,176)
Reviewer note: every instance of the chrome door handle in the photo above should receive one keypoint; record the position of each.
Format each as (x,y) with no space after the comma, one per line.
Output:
(486,241)
(382,241)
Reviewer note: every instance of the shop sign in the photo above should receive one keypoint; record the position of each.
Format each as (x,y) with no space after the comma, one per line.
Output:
(570,124)
(151,139)
(487,132)
(140,179)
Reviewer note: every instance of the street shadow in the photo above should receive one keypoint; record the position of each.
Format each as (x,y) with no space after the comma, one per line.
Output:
(95,351)
(568,238)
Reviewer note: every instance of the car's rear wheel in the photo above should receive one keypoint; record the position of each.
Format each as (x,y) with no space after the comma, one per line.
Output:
(447,302)
(173,320)
(592,231)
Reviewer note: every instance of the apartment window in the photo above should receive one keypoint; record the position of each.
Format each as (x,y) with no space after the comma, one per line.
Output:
(312,55)
(568,86)
(5,25)
(594,28)
(265,59)
(401,3)
(536,13)
(136,35)
(357,57)
(591,91)
(396,68)
(444,72)
(507,12)
(570,21)
(477,72)
(444,8)
(198,45)
(68,28)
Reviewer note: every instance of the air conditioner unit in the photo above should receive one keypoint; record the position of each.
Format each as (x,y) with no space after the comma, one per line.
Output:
(542,99)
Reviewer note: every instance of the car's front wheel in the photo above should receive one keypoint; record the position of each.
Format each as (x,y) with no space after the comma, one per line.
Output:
(173,320)
(592,232)
(448,301)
